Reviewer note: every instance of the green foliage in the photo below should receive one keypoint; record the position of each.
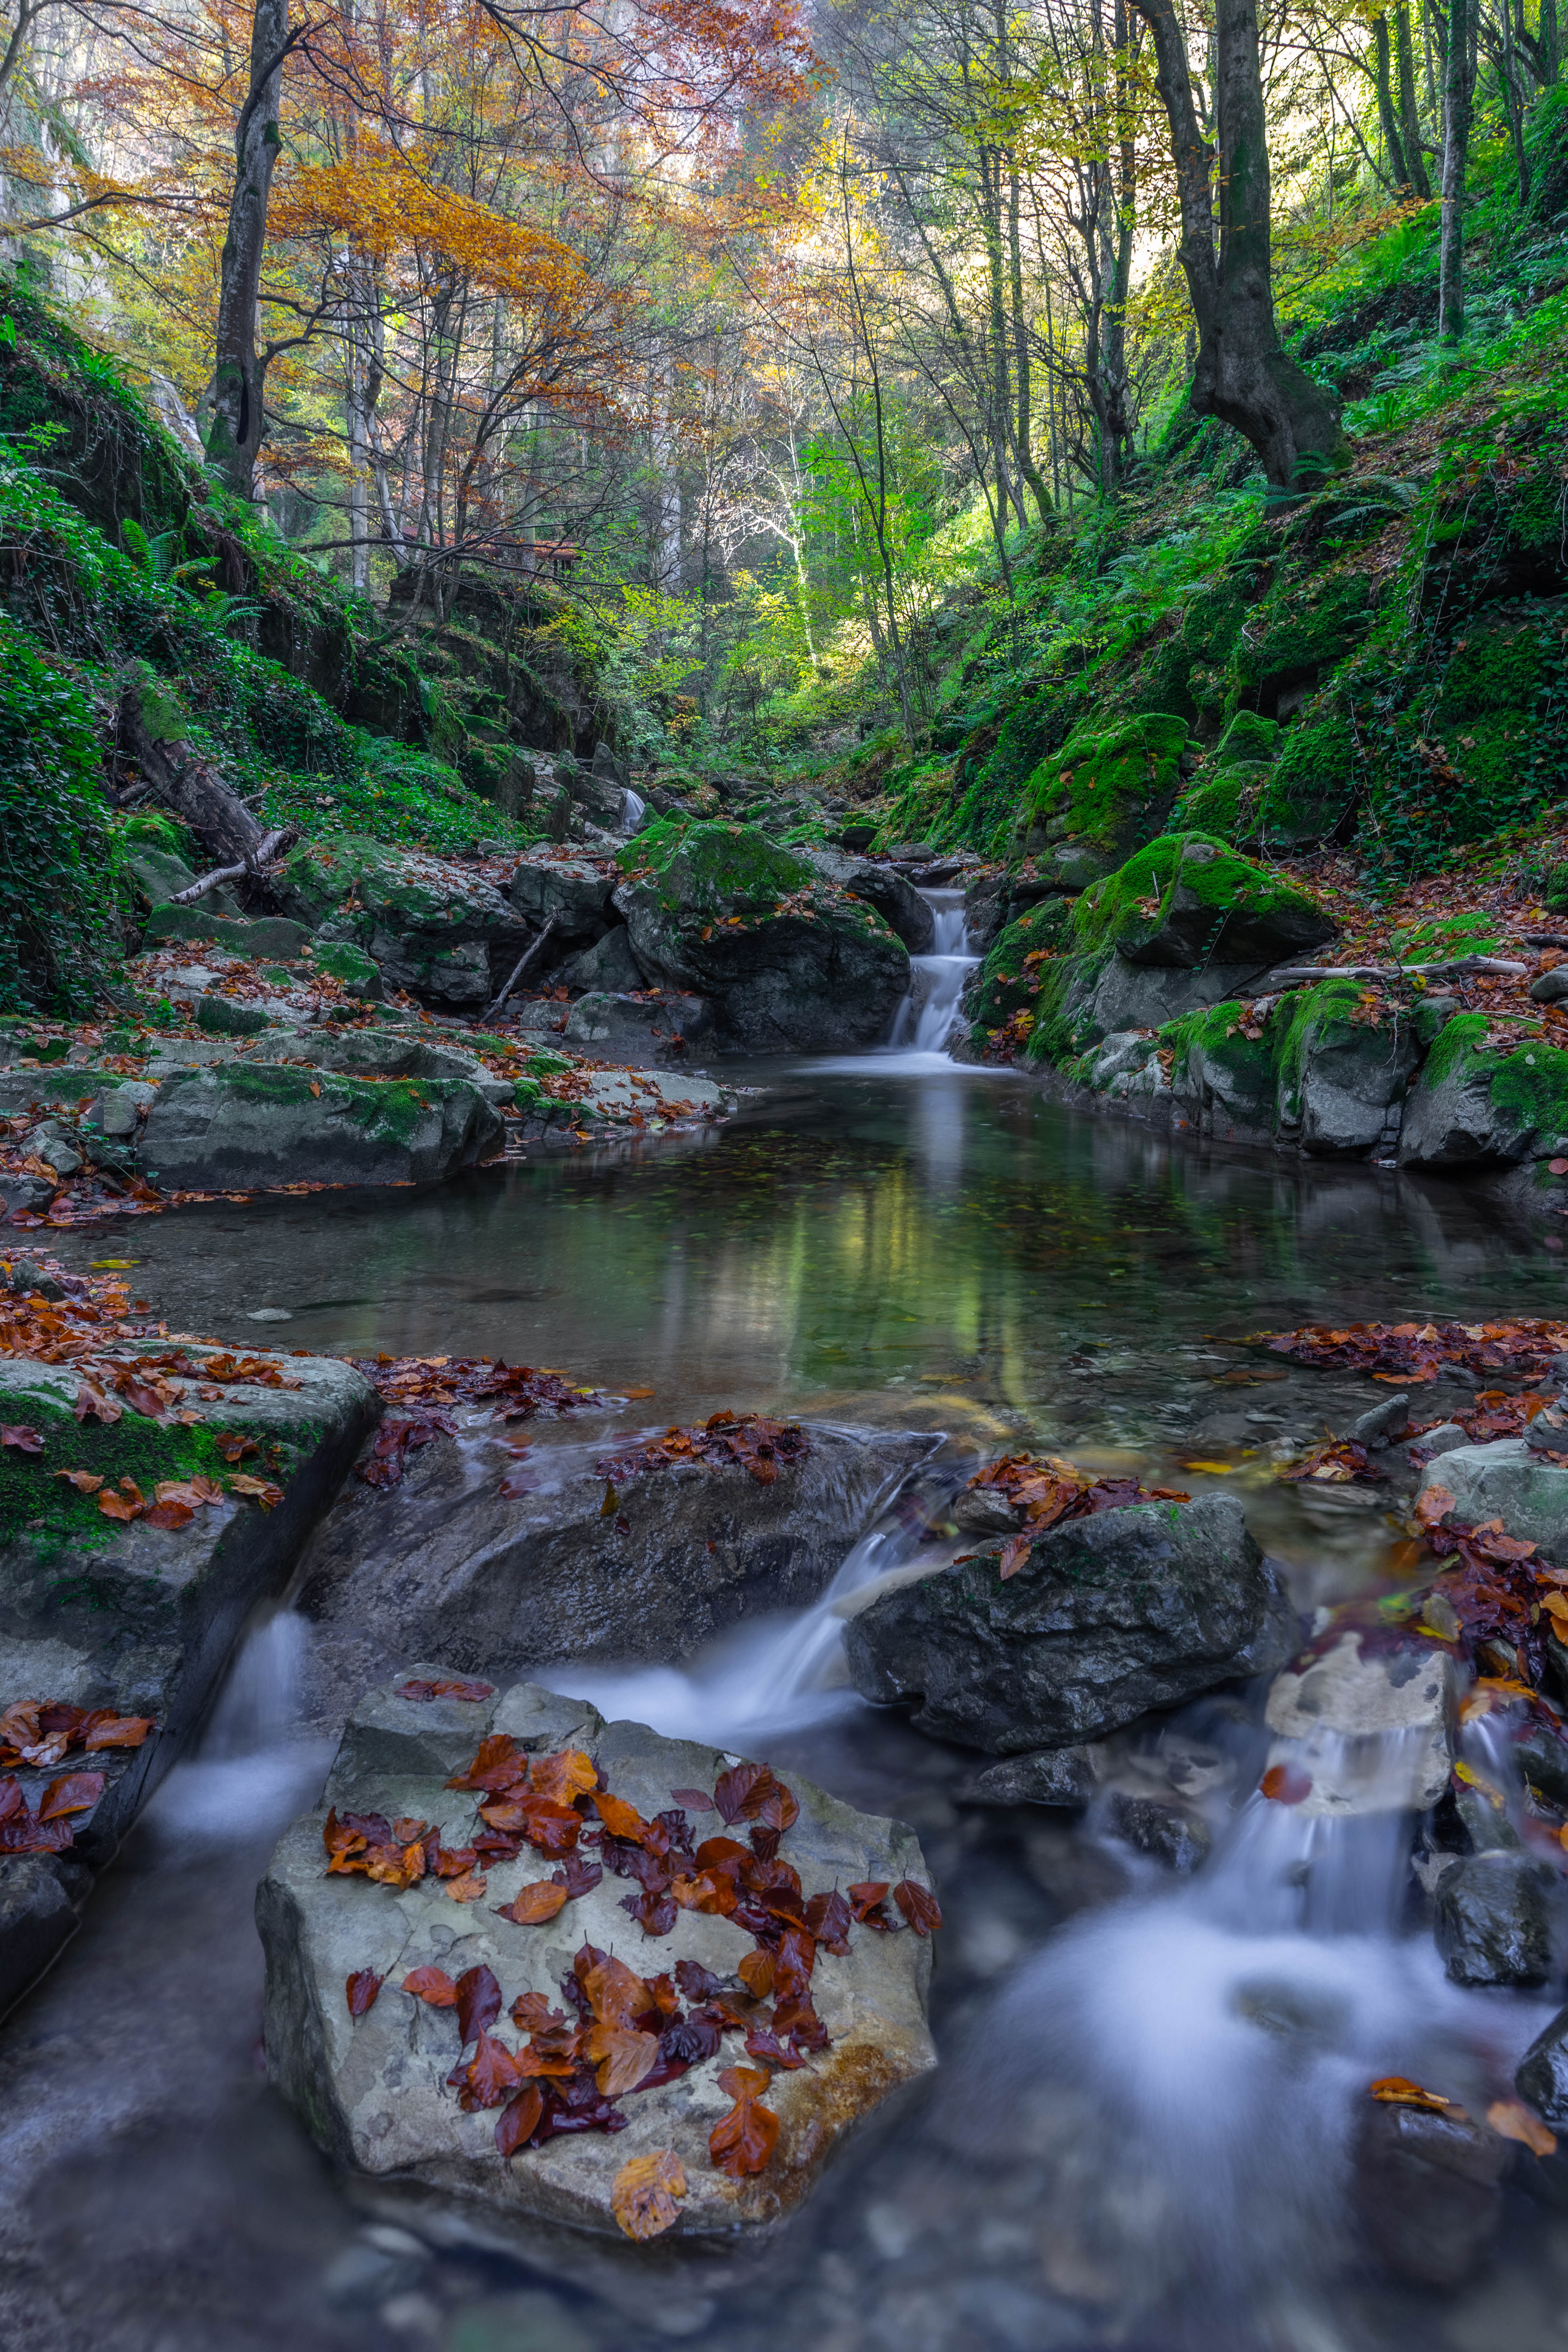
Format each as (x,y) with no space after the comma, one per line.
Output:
(1009,981)
(56,859)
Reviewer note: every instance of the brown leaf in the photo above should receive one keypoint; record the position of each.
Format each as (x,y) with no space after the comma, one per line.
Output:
(361,1988)
(829,1917)
(74,1792)
(499,1764)
(696,1801)
(519,2121)
(1285,1784)
(1513,2120)
(756,1973)
(91,1403)
(104,1729)
(86,1482)
(643,2198)
(1398,2091)
(477,2002)
(260,1490)
(118,1506)
(613,1994)
(433,1986)
(530,1906)
(622,2055)
(20,1437)
(919,1905)
(740,1792)
(1431,1505)
(444,1689)
(169,1515)
(1015,1555)
(622,1820)
(562,1778)
(490,2076)
(742,2142)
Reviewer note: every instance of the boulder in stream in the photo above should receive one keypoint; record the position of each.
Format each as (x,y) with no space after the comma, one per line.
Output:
(639,1032)
(1137,1607)
(1493,1919)
(1374,1734)
(496,1565)
(431,924)
(1506,1481)
(244,1127)
(377,2091)
(133,1617)
(1428,2191)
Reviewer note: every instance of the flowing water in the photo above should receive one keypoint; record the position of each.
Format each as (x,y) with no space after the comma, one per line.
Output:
(1141,2131)
(925,1021)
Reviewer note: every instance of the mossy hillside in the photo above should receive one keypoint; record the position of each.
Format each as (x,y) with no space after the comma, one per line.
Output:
(53,1515)
(1307,794)
(1010,977)
(1303,629)
(1107,787)
(1485,715)
(1249,738)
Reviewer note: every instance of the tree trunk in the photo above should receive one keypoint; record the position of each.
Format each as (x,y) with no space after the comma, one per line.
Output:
(1384,78)
(1242,376)
(1409,117)
(1458,93)
(234,398)
(151,735)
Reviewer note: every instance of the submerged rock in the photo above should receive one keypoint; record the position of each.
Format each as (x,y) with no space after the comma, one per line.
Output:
(139,1619)
(373,2093)
(244,1127)
(1542,2080)
(1493,1919)
(1375,1734)
(1427,2190)
(1134,1608)
(1168,1833)
(787,959)
(569,1564)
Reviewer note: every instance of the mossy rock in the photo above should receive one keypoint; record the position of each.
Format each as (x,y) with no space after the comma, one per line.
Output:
(1109,788)
(1474,1108)
(1010,977)
(1247,740)
(358,972)
(1307,793)
(1339,1072)
(226,1016)
(1474,932)
(248,1127)
(1188,899)
(1298,633)
(706,868)
(1223,806)
(1220,1074)
(263,935)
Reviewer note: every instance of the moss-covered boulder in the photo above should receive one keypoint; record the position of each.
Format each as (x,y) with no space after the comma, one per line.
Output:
(1009,980)
(1473,1108)
(238,1127)
(1222,1073)
(787,960)
(1187,899)
(1307,793)
(430,924)
(1344,1068)
(1109,788)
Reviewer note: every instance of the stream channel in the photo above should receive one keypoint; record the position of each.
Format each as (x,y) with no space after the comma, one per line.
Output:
(1138,2133)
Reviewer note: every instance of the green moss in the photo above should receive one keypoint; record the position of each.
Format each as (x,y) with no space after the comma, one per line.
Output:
(1106,787)
(1306,1020)
(713,868)
(1299,632)
(224,1016)
(1128,908)
(350,964)
(1532,1087)
(1220,805)
(1249,1062)
(1008,983)
(1475,933)
(1248,738)
(1306,796)
(1485,717)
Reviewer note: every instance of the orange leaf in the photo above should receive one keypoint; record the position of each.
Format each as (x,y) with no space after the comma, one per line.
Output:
(1513,2120)
(530,1906)
(1431,1505)
(756,1973)
(642,2199)
(1015,1555)
(1285,1784)
(570,1774)
(433,1986)
(1397,2091)
(742,2142)
(169,1515)
(623,2056)
(919,1905)
(622,1820)
(614,1995)
(86,1482)
(75,1793)
(116,1507)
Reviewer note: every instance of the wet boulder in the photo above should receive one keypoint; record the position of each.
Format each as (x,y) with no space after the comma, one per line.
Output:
(1168,1832)
(1134,1608)
(1473,1109)
(1341,1080)
(430,924)
(907,915)
(1542,2080)
(139,1618)
(607,967)
(1374,1734)
(243,1127)
(1492,1919)
(639,1031)
(1427,2190)
(380,1054)
(564,887)
(1066,1777)
(787,960)
(373,2092)
(499,1566)
(1506,1480)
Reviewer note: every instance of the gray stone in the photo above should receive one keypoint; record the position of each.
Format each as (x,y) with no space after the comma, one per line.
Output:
(1125,995)
(1168,1833)
(21,1194)
(373,2092)
(1373,1733)
(1051,1776)
(1506,1480)
(1492,1920)
(1110,1616)
(1542,2080)
(1451,1120)
(1542,1759)
(269,938)
(1376,1427)
(1427,2190)
(242,1129)
(444,1564)
(382,1053)
(574,890)
(37,1919)
(609,966)
(1551,987)
(229,1017)
(432,925)
(907,915)
(1346,1081)
(141,1618)
(1446,1438)
(639,1032)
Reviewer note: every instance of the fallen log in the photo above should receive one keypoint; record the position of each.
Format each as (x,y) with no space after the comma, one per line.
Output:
(1455,968)
(152,732)
(248,870)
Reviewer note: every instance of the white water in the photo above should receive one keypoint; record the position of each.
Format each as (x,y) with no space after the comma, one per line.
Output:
(772,1673)
(927,1017)
(251,1766)
(632,808)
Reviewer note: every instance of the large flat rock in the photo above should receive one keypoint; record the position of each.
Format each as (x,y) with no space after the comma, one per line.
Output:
(1134,1608)
(446,1563)
(374,2093)
(246,1128)
(1506,1481)
(137,1618)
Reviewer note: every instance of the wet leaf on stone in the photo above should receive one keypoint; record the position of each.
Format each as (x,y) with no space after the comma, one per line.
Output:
(447,1688)
(613,1992)
(362,1989)
(477,2000)
(622,1820)
(919,1905)
(74,1792)
(562,1778)
(433,1986)
(1285,1784)
(1398,2091)
(1513,2120)
(531,1905)
(520,2120)
(697,1982)
(1014,1555)
(622,2055)
(489,2077)
(696,1801)
(644,2197)
(742,2142)
(740,1792)
(829,1917)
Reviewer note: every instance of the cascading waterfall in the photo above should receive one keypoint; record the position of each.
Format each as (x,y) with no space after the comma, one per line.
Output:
(251,1764)
(633,809)
(929,1014)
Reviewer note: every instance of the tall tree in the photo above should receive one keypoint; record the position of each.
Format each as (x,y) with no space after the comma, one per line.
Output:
(234,409)
(1242,376)
(1458,99)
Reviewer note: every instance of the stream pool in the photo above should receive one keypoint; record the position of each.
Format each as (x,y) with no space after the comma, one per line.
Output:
(1114,2152)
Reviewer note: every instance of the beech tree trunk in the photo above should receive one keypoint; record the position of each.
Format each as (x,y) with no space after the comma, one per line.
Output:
(1458,96)
(237,424)
(1383,79)
(1242,376)
(1409,117)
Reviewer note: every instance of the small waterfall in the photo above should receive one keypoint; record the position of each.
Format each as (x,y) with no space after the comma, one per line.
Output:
(929,1014)
(634,808)
(252,1770)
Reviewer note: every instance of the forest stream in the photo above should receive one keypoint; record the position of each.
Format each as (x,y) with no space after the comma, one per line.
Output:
(1137,2133)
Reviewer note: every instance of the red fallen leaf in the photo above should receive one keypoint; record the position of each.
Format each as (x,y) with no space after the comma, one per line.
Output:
(446,1689)
(742,2142)
(12,1802)
(919,1905)
(666,2000)
(104,1729)
(118,1506)
(169,1515)
(520,2120)
(829,1917)
(490,2074)
(756,1973)
(778,1811)
(696,1801)
(577,1875)
(74,1792)
(1558,1167)
(554,1829)
(532,2013)
(654,1909)
(615,1994)
(433,1986)
(20,1437)
(362,1989)
(498,1765)
(530,1906)
(477,2002)
(91,1403)
(799,2019)
(793,1962)
(232,1446)
(763,2043)
(1015,1555)
(1285,1784)
(697,1982)
(739,1793)
(452,1862)
(865,1900)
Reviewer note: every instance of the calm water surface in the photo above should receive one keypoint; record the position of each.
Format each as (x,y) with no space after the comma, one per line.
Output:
(940,1251)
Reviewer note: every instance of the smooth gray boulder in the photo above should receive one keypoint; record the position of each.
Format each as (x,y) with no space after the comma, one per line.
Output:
(640,1031)
(1374,1734)
(907,915)
(96,1613)
(242,1126)
(1112,1616)
(1492,1919)
(1452,1119)
(1340,1095)
(374,2093)
(607,967)
(380,1054)
(563,885)
(447,1562)
(1505,1480)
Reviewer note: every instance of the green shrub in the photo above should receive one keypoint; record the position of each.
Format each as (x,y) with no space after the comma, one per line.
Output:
(57,864)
